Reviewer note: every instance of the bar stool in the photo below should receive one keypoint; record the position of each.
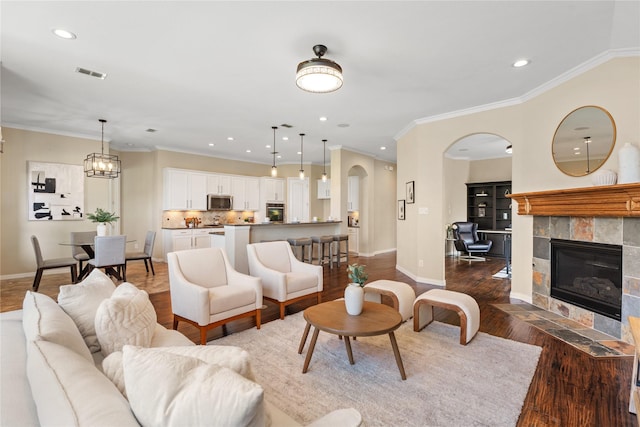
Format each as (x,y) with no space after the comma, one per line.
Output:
(322,241)
(338,238)
(302,243)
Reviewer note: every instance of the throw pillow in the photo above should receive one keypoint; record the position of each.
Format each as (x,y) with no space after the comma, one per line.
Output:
(70,391)
(43,319)
(128,317)
(230,357)
(81,301)
(191,391)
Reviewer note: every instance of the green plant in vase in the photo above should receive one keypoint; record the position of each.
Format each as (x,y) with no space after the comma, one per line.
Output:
(357,274)
(103,218)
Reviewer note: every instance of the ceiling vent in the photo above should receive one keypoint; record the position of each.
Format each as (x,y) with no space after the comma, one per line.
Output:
(81,70)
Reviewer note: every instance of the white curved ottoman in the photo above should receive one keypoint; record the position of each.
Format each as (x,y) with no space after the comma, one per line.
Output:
(466,307)
(400,293)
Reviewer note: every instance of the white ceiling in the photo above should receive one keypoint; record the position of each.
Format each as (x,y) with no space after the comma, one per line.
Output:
(199,72)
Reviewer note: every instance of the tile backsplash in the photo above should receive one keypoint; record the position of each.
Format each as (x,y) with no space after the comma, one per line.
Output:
(175,219)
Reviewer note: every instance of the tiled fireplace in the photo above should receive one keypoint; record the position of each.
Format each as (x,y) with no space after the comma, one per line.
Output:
(623,231)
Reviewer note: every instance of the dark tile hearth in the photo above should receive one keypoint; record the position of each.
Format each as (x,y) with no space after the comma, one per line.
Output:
(590,341)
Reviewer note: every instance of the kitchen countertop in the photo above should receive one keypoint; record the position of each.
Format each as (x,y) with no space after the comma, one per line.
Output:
(253,224)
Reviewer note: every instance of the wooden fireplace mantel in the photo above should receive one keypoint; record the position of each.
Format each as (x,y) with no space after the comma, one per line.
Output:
(604,200)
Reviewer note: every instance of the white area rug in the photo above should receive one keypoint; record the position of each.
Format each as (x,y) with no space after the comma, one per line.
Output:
(481,384)
(502,274)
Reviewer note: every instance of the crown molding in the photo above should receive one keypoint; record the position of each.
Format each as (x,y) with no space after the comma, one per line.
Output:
(563,78)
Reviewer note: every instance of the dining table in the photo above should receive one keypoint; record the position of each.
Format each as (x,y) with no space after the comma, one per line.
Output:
(87,246)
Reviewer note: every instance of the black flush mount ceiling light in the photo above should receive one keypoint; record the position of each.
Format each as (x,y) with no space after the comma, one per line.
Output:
(319,75)
(100,165)
(274,169)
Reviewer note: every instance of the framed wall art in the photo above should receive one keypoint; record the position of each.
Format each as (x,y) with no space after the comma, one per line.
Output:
(56,191)
(401,210)
(411,194)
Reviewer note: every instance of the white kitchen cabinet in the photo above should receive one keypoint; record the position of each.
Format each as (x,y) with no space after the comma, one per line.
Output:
(218,184)
(272,190)
(324,189)
(184,190)
(353,234)
(218,241)
(353,193)
(188,238)
(246,193)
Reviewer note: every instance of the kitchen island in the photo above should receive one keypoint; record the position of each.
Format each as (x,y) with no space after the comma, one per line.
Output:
(238,236)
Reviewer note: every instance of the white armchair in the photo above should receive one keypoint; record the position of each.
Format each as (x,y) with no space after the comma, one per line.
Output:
(207,292)
(285,280)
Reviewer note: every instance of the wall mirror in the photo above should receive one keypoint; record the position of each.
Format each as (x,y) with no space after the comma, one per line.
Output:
(583,141)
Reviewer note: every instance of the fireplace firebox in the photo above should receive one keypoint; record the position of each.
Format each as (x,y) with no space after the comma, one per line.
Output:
(587,275)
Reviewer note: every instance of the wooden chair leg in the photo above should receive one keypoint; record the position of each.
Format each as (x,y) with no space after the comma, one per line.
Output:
(203,335)
(258,318)
(124,272)
(151,264)
(36,280)
(282,310)
(146,267)
(175,323)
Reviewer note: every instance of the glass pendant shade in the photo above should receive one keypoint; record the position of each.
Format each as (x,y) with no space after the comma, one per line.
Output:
(101,165)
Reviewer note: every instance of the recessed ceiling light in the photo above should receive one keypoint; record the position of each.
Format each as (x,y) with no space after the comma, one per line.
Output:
(383,148)
(521,63)
(267,146)
(63,34)
(230,138)
(248,151)
(211,144)
(285,138)
(299,153)
(576,148)
(323,119)
(279,156)
(576,153)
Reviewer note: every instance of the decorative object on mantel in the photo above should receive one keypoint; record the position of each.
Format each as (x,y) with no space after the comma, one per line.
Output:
(103,218)
(629,163)
(354,292)
(100,165)
(319,75)
(604,177)
(600,201)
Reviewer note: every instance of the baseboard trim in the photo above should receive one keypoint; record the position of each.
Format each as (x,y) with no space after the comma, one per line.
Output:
(419,279)
(523,297)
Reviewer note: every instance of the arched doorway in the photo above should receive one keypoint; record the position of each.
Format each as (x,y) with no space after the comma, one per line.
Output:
(475,158)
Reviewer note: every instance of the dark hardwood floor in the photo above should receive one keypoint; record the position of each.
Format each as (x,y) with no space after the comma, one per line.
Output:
(569,388)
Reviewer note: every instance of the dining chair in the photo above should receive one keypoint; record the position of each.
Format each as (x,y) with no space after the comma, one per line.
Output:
(146,254)
(77,251)
(110,255)
(45,264)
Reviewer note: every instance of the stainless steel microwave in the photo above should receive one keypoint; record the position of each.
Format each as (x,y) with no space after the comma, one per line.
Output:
(217,202)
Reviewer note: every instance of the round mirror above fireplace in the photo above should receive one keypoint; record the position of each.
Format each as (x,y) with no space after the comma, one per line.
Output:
(584,140)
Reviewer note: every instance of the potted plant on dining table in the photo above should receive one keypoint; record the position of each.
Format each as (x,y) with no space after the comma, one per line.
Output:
(103,218)
(354,293)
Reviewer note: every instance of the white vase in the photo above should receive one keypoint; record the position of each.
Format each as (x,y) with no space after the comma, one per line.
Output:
(604,177)
(354,298)
(101,229)
(629,164)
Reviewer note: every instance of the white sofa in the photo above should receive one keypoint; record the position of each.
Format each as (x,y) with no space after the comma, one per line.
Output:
(50,376)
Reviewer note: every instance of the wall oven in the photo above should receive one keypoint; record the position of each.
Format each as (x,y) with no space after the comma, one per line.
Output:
(275,212)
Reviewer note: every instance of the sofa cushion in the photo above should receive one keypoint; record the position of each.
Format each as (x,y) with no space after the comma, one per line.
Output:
(230,357)
(69,390)
(192,392)
(128,317)
(43,319)
(81,302)
(163,337)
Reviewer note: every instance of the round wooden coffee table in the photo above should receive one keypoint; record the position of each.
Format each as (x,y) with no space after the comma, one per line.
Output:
(332,317)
